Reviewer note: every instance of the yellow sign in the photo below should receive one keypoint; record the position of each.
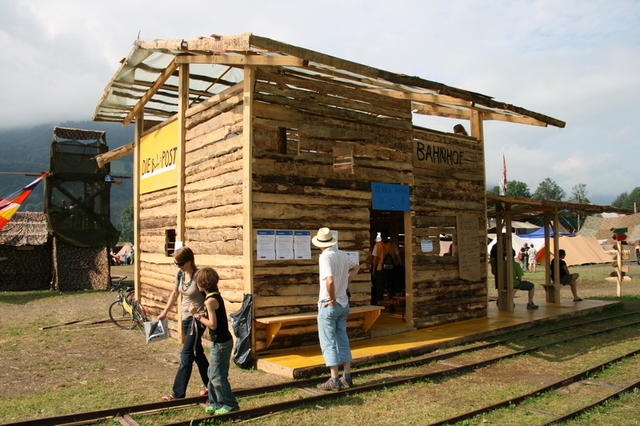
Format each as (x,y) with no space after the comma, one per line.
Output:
(158,159)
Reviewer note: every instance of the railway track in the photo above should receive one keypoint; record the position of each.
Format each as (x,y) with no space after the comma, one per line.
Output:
(88,417)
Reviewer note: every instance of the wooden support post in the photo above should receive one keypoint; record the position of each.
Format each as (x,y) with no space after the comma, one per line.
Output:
(477,131)
(556,249)
(547,259)
(247,187)
(137,134)
(408,268)
(500,265)
(183,104)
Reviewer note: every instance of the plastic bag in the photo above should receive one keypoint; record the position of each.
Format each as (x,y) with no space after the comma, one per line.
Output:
(242,322)
(156,330)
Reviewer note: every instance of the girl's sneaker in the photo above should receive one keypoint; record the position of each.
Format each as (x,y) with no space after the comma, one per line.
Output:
(210,410)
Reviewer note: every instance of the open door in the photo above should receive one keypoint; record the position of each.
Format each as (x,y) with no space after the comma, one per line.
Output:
(387,260)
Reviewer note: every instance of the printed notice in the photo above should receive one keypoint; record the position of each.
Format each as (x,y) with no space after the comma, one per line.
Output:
(302,244)
(426,246)
(354,256)
(284,245)
(266,245)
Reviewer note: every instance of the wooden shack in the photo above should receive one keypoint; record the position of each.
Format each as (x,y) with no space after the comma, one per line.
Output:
(245,146)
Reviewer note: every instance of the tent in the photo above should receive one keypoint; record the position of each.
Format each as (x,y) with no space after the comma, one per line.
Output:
(519,228)
(517,241)
(539,233)
(580,251)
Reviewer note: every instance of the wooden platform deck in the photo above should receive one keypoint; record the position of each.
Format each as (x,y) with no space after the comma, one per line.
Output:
(298,362)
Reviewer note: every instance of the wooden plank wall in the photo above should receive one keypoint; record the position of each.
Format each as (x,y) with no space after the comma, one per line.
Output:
(445,185)
(213,189)
(300,190)
(213,218)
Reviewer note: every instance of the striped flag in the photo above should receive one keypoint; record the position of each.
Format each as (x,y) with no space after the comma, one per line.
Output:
(10,205)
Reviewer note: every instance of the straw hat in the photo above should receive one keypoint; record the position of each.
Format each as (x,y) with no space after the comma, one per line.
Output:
(324,238)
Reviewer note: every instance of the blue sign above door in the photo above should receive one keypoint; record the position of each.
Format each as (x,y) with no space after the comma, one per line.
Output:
(390,196)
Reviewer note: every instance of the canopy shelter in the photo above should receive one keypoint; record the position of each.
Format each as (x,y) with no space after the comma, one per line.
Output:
(506,209)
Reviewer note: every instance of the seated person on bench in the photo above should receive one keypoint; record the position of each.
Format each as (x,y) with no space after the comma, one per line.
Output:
(566,278)
(520,284)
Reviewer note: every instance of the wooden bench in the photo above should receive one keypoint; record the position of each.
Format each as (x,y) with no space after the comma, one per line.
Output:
(370,314)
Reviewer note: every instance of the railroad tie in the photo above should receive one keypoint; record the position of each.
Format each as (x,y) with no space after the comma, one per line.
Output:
(537,411)
(126,420)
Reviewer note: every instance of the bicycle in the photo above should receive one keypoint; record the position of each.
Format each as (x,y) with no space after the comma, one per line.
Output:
(125,311)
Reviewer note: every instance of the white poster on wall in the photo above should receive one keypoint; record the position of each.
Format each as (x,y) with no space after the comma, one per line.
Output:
(266,244)
(426,246)
(302,244)
(284,245)
(353,255)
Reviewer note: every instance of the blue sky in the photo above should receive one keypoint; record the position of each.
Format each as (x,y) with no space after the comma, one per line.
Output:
(577,61)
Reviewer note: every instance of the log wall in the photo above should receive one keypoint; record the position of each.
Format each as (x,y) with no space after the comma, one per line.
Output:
(449,180)
(213,206)
(297,187)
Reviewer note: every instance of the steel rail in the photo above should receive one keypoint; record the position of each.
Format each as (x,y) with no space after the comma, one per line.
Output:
(185,402)
(579,411)
(515,400)
(286,405)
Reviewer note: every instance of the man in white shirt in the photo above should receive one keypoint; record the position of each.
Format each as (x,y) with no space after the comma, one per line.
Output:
(336,272)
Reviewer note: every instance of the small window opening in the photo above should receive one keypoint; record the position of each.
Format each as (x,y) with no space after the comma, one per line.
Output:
(281,141)
(343,158)
(169,242)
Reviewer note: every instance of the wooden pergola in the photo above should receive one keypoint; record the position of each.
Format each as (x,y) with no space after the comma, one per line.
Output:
(505,209)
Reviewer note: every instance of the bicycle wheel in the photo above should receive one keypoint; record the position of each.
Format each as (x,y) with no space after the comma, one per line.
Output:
(139,317)
(120,316)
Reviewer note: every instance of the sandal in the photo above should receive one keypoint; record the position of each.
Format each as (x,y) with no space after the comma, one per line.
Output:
(204,392)
(168,398)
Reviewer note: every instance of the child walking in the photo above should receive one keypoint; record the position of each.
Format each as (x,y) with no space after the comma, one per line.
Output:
(221,399)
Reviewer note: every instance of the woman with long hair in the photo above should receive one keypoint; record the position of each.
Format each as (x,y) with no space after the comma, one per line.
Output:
(192,330)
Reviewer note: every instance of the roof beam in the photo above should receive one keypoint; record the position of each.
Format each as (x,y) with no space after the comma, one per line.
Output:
(441,111)
(164,76)
(287,61)
(489,115)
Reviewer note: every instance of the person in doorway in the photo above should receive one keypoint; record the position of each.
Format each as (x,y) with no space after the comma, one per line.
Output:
(385,258)
(638,252)
(192,330)
(214,317)
(532,258)
(337,270)
(520,284)
(566,278)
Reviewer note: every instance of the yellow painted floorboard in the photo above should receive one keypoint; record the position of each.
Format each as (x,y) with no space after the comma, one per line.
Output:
(288,362)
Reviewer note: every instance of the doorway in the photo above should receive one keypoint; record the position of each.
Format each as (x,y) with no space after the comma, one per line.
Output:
(388,287)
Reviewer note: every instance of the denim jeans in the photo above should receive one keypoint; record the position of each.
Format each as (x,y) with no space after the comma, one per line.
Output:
(332,331)
(220,394)
(192,350)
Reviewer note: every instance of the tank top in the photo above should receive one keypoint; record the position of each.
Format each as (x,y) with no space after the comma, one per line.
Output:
(221,334)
